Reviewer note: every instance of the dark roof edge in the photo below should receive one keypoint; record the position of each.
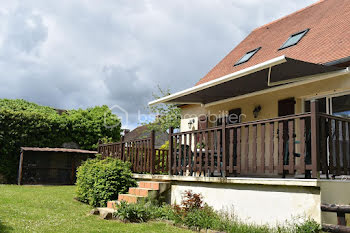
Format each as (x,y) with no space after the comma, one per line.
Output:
(47,149)
(337,62)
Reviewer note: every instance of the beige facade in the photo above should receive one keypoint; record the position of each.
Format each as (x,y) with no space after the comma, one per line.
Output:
(323,85)
(319,86)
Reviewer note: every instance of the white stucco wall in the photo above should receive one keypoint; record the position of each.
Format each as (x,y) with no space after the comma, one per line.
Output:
(262,200)
(259,204)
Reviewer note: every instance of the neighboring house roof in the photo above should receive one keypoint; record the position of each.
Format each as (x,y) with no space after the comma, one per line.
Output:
(46,149)
(143,132)
(327,40)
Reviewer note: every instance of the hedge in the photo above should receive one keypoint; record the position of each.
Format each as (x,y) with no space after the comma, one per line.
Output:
(27,124)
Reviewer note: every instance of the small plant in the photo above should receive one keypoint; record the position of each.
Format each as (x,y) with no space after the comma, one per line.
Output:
(308,226)
(138,212)
(201,218)
(199,145)
(164,212)
(191,201)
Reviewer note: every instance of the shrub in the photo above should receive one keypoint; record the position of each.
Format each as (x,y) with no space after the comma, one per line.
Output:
(201,218)
(164,212)
(191,201)
(27,124)
(138,212)
(308,226)
(99,181)
(299,225)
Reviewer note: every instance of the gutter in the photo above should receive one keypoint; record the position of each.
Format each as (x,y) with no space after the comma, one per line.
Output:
(226,78)
(337,62)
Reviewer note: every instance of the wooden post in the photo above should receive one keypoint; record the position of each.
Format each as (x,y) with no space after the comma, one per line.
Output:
(153,152)
(122,149)
(341,210)
(99,146)
(314,139)
(170,153)
(224,147)
(20,168)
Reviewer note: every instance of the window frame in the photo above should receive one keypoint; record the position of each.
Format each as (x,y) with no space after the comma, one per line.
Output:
(254,51)
(304,32)
(329,97)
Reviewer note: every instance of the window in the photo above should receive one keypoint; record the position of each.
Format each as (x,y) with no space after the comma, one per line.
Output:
(294,39)
(341,106)
(247,56)
(338,105)
(234,116)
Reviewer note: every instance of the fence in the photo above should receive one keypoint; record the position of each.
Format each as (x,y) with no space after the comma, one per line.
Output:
(340,210)
(334,145)
(260,147)
(141,153)
(310,144)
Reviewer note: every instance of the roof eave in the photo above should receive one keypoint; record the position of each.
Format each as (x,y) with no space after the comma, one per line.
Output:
(238,74)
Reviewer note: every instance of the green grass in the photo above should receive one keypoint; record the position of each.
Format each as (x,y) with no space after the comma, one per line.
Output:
(53,209)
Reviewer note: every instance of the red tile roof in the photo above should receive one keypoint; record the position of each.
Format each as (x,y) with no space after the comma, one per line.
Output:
(328,38)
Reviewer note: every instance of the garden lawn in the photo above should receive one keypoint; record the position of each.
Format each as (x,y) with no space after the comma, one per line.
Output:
(53,209)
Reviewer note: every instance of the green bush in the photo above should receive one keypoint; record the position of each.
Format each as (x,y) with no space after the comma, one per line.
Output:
(163,212)
(27,124)
(138,212)
(308,226)
(203,218)
(99,181)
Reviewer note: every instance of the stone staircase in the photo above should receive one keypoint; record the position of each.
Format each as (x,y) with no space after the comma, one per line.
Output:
(147,189)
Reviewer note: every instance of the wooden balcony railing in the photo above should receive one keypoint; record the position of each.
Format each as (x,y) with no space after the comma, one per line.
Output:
(334,145)
(307,145)
(141,153)
(274,146)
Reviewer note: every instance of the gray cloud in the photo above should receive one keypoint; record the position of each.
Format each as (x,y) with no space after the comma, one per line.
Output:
(71,54)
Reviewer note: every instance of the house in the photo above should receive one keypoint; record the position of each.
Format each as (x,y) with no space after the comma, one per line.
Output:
(267,130)
(142,132)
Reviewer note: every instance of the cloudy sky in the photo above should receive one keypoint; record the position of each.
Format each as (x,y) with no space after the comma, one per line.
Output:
(80,53)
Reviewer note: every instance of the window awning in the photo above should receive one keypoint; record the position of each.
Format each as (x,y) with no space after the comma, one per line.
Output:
(277,71)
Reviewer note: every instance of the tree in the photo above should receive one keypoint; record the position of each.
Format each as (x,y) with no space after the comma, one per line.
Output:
(167,115)
(27,124)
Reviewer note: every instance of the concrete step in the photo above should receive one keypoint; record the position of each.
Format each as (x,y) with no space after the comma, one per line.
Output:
(105,213)
(144,192)
(130,198)
(154,185)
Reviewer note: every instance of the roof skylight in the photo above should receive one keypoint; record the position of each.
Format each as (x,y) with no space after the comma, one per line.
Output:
(294,39)
(247,56)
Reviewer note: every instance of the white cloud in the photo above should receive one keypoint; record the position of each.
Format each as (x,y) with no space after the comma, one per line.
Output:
(81,53)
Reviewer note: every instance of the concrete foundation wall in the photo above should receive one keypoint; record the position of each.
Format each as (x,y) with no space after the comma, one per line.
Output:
(256,203)
(262,200)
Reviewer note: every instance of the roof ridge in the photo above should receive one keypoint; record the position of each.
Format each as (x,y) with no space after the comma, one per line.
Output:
(295,12)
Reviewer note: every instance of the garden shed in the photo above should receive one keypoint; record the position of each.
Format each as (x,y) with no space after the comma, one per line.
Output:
(50,165)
